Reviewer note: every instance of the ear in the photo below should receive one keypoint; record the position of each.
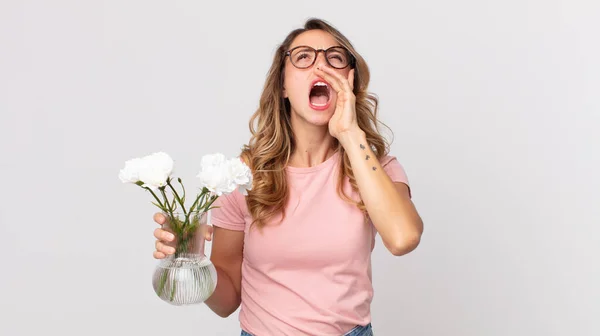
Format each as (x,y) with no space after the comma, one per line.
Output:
(285,95)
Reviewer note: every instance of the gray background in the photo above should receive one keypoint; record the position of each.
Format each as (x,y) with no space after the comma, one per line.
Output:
(494,107)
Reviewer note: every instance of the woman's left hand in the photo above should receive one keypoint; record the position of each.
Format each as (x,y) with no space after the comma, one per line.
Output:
(344,117)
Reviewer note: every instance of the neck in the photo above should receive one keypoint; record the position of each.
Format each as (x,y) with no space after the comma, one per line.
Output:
(313,145)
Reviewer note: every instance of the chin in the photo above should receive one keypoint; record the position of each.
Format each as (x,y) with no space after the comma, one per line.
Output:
(319,123)
(318,118)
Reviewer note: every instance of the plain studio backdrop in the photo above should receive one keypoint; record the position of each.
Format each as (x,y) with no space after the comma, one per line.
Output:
(494,108)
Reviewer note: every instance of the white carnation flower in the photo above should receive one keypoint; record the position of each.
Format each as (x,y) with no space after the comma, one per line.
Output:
(223,176)
(240,175)
(130,173)
(152,171)
(156,169)
(213,174)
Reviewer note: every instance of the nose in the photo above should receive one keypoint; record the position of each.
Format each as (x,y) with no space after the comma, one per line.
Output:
(320,61)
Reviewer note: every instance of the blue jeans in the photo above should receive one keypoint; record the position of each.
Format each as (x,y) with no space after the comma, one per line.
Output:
(356,331)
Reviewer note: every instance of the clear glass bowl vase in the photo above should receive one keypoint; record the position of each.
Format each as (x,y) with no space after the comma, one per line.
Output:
(188,276)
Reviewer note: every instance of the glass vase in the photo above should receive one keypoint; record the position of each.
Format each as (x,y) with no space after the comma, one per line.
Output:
(187,276)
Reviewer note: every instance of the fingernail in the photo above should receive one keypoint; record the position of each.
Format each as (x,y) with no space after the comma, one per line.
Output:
(169,236)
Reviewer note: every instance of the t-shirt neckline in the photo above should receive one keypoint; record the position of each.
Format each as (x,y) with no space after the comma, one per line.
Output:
(303,170)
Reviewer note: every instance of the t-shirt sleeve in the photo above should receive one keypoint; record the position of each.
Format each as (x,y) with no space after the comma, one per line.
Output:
(226,212)
(395,170)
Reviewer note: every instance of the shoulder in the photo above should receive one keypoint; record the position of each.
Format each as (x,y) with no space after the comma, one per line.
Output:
(229,211)
(387,159)
(390,161)
(395,170)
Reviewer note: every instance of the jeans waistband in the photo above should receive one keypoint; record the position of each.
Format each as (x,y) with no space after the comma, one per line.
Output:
(361,331)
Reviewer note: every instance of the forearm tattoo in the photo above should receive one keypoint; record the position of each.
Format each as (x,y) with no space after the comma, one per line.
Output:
(367,157)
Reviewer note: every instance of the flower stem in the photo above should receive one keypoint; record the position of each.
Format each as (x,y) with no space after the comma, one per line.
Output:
(200,198)
(162,190)
(177,197)
(156,198)
(182,188)
(163,281)
(213,198)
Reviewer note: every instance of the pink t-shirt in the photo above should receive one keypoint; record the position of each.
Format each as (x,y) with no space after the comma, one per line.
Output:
(310,275)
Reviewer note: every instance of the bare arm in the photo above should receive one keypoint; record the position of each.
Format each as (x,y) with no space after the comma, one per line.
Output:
(226,255)
(388,203)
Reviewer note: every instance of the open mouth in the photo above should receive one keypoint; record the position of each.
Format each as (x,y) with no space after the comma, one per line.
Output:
(320,94)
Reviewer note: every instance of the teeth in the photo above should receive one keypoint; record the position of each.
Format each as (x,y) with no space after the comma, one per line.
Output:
(320,84)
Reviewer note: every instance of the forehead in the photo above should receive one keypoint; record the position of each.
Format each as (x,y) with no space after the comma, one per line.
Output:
(316,39)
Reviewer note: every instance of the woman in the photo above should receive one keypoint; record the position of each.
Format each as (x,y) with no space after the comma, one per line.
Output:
(296,251)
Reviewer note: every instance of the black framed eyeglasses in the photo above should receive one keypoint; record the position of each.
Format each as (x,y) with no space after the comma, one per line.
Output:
(303,57)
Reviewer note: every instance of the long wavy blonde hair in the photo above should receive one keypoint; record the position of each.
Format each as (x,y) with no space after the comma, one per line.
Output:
(272,143)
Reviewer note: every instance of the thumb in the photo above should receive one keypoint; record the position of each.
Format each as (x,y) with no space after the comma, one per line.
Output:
(208,232)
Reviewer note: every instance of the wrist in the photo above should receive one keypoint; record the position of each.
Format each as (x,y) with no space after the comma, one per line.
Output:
(352,139)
